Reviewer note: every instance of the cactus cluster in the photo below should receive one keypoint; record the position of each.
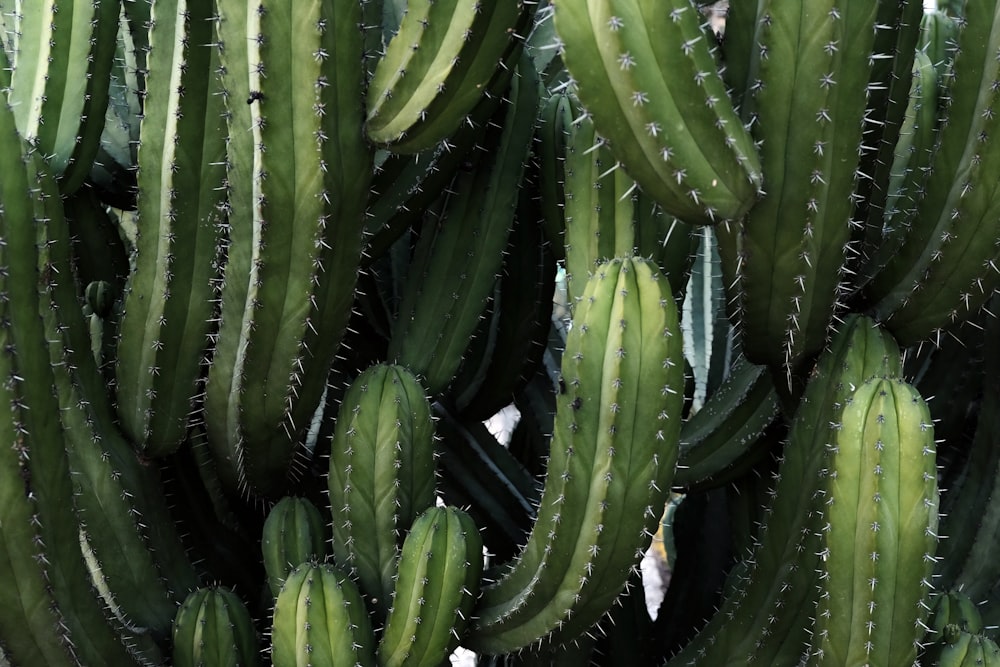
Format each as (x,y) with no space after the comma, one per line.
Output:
(355,332)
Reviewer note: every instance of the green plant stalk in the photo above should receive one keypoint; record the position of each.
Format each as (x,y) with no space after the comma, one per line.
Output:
(806,96)
(614,451)
(599,205)
(213,627)
(880,529)
(440,567)
(722,435)
(321,619)
(381,474)
(660,102)
(63,54)
(295,236)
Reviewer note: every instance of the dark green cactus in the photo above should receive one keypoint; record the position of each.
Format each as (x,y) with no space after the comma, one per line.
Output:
(213,627)
(614,446)
(880,529)
(388,258)
(321,619)
(660,102)
(381,474)
(294,533)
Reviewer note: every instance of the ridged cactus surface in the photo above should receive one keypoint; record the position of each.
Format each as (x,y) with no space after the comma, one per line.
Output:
(363,331)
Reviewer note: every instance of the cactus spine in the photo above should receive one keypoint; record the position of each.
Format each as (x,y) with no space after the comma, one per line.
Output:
(614,447)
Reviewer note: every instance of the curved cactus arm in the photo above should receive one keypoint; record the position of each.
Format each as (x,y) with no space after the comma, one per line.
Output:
(437,314)
(168,308)
(614,449)
(36,466)
(947,267)
(437,66)
(60,80)
(645,71)
(299,174)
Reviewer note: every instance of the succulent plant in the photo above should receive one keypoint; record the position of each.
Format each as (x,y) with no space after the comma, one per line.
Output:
(356,331)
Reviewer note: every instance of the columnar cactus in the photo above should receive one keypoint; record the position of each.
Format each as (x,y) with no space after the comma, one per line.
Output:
(385,259)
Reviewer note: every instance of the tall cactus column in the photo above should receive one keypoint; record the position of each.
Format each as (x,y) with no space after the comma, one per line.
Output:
(613,456)
(805,99)
(299,173)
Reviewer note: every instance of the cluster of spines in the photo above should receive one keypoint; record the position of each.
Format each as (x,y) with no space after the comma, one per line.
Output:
(614,450)
(661,103)
(381,474)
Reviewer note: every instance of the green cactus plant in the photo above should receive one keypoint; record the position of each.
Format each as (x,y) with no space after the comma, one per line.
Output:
(384,259)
